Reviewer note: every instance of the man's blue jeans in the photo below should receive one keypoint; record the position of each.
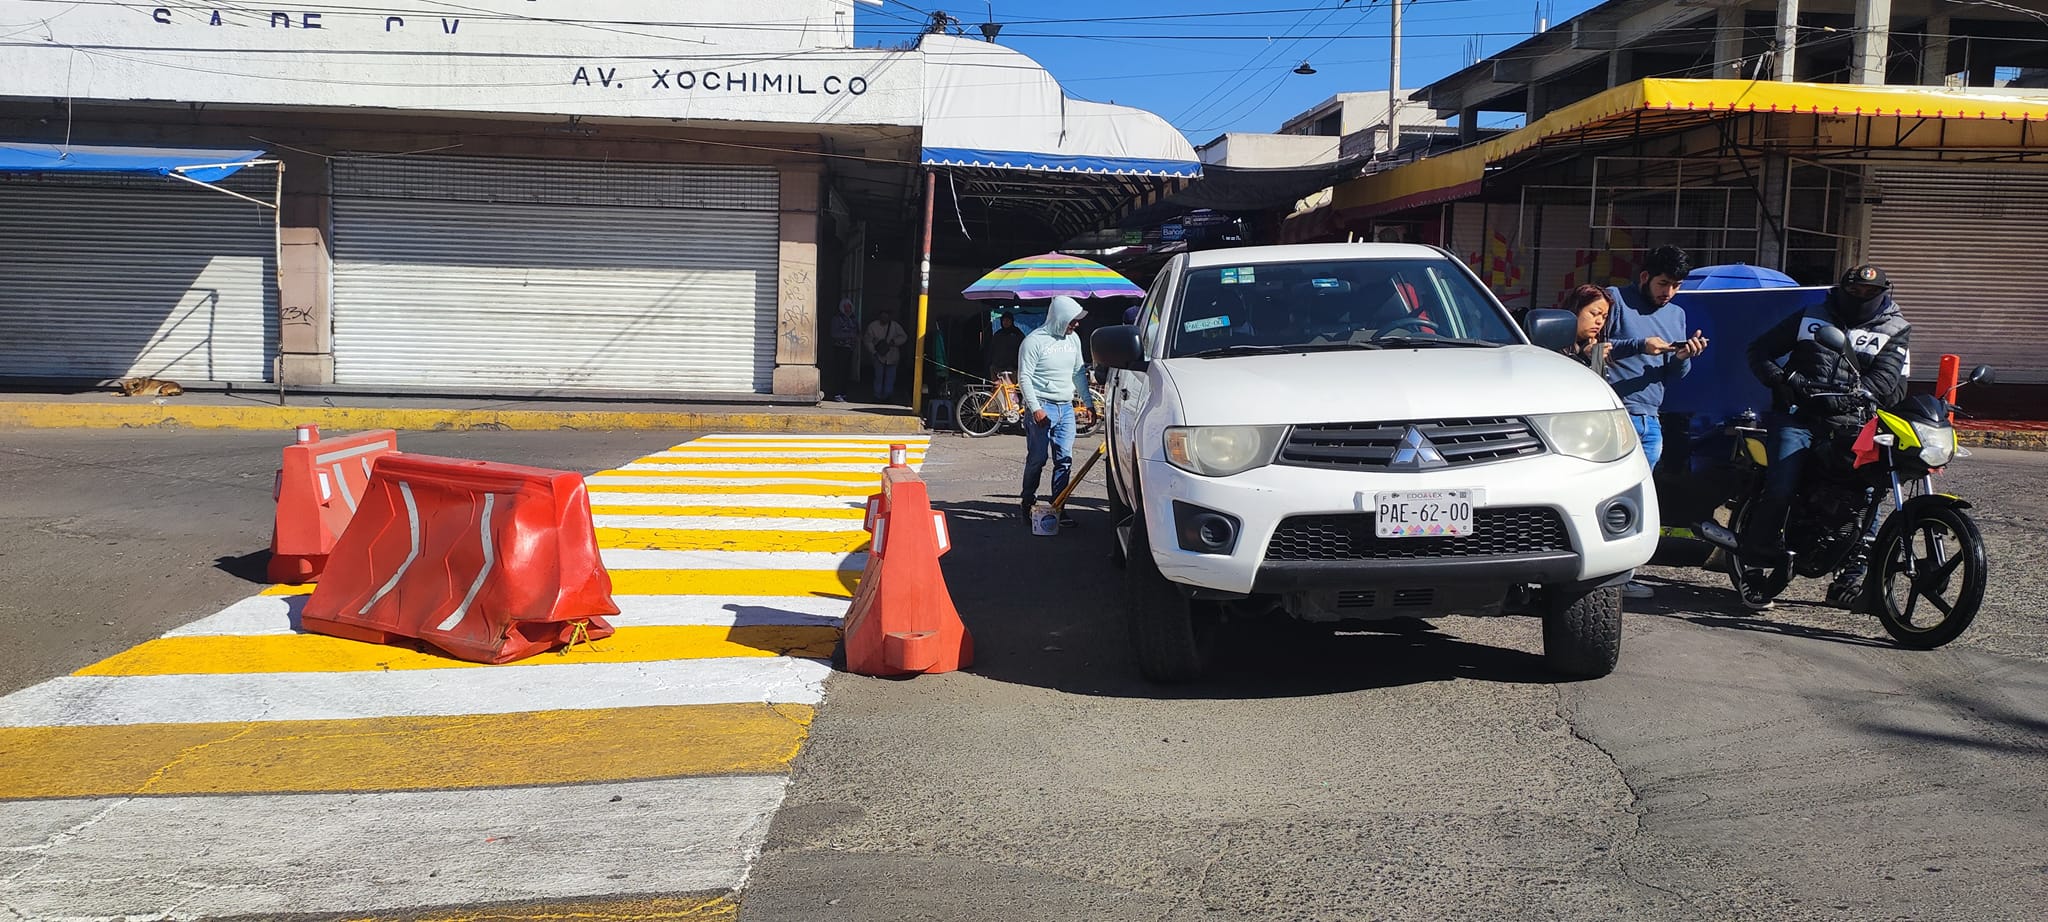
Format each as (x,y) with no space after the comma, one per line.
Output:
(1055,439)
(1650,430)
(1787,447)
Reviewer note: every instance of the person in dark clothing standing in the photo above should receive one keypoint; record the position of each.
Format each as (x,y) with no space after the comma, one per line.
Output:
(1815,397)
(845,349)
(1648,349)
(1002,348)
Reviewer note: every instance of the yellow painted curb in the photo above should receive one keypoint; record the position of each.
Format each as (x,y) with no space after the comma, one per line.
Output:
(526,749)
(636,909)
(35,415)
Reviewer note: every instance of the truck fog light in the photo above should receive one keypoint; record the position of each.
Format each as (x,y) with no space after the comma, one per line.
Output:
(1204,531)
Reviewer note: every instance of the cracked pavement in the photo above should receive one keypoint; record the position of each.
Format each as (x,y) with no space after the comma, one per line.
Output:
(1798,767)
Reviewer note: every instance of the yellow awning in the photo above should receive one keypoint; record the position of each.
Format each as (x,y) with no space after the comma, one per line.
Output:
(1665,104)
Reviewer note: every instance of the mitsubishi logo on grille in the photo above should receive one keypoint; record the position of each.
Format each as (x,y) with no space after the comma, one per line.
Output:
(1416,451)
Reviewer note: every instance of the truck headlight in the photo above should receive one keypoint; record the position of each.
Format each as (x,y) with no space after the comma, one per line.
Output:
(1595,435)
(1937,444)
(1220,451)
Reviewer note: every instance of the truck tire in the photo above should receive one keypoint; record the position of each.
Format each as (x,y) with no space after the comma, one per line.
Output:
(1172,637)
(1582,631)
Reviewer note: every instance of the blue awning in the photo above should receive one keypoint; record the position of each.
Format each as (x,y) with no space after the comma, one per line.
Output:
(200,164)
(1056,163)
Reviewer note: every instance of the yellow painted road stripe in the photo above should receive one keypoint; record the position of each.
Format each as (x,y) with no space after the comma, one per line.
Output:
(684,460)
(862,477)
(671,539)
(270,653)
(767,512)
(828,583)
(765,489)
(644,909)
(884,441)
(526,749)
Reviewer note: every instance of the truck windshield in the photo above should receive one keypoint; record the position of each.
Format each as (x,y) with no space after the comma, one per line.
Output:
(1308,306)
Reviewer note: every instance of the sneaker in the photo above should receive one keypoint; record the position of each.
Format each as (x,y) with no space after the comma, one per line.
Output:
(1024,510)
(839,398)
(1635,590)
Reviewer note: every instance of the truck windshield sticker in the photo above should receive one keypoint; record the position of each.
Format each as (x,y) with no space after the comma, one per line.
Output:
(1208,323)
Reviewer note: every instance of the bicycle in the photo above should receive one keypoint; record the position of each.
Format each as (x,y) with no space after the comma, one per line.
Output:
(983,409)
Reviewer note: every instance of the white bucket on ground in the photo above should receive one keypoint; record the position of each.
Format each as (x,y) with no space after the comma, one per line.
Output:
(1044,521)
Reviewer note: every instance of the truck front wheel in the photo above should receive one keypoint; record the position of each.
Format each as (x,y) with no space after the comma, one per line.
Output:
(1582,631)
(1172,636)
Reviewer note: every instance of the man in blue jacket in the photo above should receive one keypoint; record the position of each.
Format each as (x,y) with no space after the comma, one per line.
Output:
(1049,374)
(1650,349)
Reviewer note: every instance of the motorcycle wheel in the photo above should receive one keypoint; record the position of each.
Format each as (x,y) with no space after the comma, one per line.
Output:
(970,414)
(1937,600)
(1757,587)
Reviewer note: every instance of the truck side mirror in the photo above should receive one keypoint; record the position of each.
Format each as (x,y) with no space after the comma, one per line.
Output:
(1118,347)
(1551,329)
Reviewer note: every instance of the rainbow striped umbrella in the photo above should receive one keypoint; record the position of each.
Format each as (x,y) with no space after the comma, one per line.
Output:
(1050,275)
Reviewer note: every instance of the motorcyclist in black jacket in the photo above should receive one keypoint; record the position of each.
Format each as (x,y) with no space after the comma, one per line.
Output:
(1817,397)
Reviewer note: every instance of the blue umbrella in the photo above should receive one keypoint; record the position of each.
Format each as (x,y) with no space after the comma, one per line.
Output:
(1737,276)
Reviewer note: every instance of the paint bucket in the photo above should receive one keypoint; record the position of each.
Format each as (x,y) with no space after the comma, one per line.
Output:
(1044,521)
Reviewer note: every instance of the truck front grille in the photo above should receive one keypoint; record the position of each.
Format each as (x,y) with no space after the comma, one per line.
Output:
(1349,536)
(1372,446)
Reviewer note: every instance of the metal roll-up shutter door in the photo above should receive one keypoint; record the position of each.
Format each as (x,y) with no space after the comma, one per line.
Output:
(1963,250)
(500,275)
(108,277)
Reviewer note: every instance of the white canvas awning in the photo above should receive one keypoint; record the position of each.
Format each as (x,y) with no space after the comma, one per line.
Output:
(991,107)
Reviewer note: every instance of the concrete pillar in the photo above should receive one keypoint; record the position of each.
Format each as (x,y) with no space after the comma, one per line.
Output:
(1535,103)
(1871,51)
(796,295)
(1934,50)
(1771,217)
(1468,124)
(1728,35)
(1788,40)
(305,316)
(1620,68)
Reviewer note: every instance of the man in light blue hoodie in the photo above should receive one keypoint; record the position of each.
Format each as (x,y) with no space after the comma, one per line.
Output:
(1049,371)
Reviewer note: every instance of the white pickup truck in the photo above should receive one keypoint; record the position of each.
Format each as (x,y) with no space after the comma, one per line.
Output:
(1354,432)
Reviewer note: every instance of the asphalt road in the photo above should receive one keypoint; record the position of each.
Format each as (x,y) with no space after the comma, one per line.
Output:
(1789,767)
(1793,766)
(109,538)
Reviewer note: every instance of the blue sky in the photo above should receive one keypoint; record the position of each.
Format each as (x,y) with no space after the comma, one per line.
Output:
(1217,73)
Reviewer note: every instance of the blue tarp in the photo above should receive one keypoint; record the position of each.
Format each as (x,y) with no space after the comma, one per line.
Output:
(25,157)
(1720,385)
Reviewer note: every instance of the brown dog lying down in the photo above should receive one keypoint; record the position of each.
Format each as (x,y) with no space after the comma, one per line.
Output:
(149,387)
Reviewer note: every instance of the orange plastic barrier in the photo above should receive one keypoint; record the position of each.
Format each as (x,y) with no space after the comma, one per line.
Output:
(317,491)
(1945,377)
(488,562)
(903,620)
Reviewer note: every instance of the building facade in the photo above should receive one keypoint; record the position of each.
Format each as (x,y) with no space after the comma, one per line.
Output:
(1800,135)
(633,201)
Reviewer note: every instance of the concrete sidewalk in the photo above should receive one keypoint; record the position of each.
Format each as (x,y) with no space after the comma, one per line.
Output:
(261,410)
(2026,435)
